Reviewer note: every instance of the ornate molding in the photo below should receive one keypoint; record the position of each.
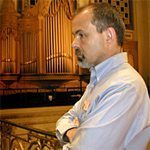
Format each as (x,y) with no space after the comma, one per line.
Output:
(8,26)
(44,6)
(28,24)
(29,21)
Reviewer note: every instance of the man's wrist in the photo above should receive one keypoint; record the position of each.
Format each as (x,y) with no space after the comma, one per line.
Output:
(65,138)
(69,134)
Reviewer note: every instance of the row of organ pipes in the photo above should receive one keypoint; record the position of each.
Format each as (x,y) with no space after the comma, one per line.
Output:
(8,53)
(58,39)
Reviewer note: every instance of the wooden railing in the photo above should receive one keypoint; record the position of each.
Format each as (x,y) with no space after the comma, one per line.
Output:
(19,137)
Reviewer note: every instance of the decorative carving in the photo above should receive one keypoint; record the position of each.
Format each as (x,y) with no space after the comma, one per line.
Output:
(28,24)
(8,26)
(31,11)
(43,6)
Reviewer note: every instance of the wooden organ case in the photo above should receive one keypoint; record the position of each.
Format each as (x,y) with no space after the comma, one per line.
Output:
(40,36)
(35,40)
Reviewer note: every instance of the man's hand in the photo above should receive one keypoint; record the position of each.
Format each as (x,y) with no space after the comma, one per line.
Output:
(70,133)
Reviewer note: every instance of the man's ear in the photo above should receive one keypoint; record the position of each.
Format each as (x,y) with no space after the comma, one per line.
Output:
(110,34)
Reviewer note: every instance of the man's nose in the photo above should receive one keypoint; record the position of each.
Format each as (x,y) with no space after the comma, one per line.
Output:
(76,48)
(75,44)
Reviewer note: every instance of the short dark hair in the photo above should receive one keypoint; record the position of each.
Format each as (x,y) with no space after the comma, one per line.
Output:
(105,16)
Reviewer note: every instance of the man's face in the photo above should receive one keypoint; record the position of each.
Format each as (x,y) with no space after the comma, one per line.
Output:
(89,45)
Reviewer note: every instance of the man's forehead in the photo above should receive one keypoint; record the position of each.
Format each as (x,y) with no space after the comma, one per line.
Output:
(85,15)
(86,11)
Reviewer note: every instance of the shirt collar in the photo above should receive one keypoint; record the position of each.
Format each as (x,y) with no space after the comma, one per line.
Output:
(103,68)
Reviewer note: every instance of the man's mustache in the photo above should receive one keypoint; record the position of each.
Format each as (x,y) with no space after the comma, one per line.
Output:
(79,54)
(77,51)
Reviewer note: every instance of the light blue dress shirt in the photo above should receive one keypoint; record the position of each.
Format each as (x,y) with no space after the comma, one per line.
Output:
(118,108)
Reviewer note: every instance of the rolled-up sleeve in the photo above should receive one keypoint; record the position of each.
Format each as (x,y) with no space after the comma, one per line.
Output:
(66,121)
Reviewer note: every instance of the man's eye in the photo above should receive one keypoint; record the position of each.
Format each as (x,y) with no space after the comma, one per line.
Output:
(80,34)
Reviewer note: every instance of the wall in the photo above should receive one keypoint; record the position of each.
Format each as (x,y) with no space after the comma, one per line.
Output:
(141,9)
(148,11)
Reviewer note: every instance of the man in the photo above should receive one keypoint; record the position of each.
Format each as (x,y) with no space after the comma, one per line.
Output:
(115,106)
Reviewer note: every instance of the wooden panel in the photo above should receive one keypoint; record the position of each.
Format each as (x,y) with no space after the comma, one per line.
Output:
(131,47)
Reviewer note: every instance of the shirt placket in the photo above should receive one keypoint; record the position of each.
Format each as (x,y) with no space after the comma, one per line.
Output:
(87,102)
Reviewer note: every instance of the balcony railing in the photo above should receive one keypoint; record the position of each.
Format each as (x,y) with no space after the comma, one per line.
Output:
(18,137)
